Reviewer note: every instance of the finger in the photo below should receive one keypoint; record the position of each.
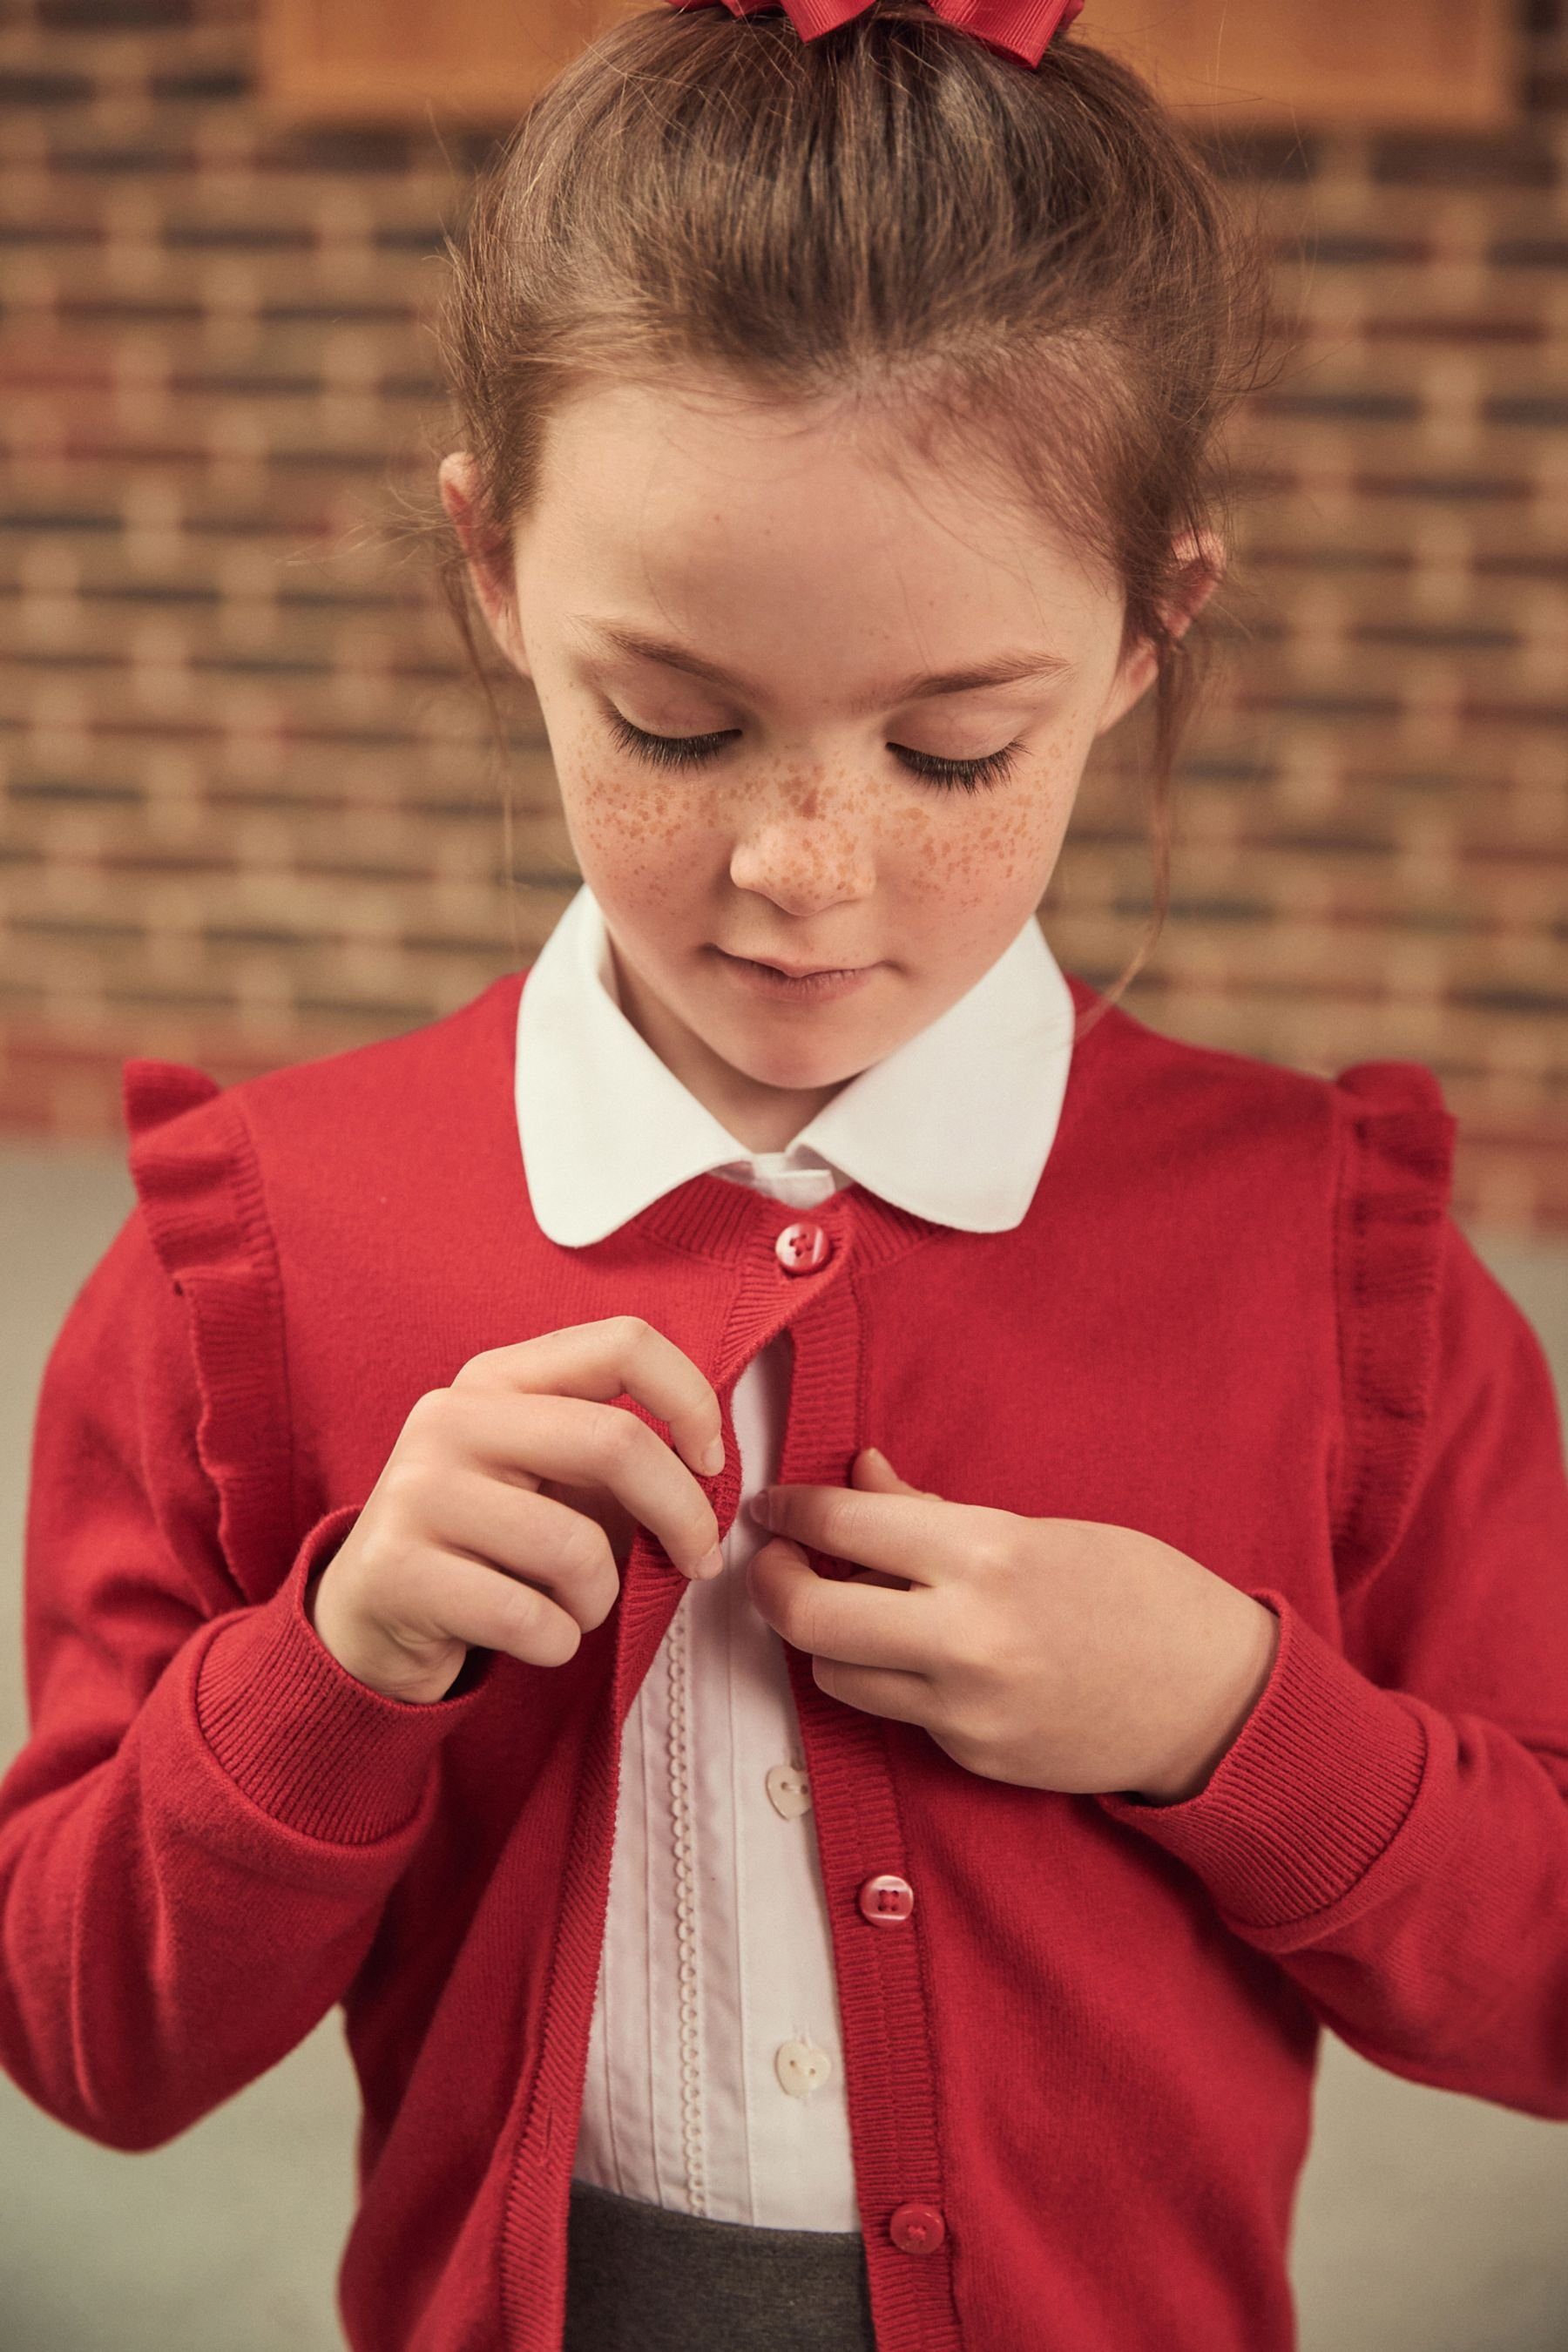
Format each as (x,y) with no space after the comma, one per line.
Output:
(848,1623)
(445,1596)
(902,1699)
(923,1536)
(574,1442)
(621,1353)
(563,1552)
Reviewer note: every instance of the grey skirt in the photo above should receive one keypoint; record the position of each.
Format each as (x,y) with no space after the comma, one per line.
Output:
(641,2279)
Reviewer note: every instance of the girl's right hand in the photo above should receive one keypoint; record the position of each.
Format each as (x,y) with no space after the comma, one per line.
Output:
(509,1504)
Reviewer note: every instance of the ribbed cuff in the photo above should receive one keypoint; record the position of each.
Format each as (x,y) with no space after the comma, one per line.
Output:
(1315,1788)
(303,1739)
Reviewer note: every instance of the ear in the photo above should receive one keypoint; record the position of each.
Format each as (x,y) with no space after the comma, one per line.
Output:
(1201,561)
(488,559)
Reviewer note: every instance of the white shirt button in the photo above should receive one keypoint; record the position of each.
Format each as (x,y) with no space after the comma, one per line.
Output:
(789,1791)
(801,2067)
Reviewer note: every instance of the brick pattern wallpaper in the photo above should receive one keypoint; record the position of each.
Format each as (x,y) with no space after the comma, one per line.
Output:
(251,810)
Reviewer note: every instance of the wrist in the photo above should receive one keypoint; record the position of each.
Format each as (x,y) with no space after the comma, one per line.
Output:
(308,1598)
(1239,1685)
(370,1662)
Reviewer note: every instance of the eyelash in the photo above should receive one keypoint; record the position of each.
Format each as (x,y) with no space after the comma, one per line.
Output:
(691,750)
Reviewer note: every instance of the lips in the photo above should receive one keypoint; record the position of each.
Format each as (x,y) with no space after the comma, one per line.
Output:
(823,985)
(795,970)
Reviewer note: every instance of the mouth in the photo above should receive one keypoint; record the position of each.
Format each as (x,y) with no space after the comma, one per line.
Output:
(805,982)
(793,971)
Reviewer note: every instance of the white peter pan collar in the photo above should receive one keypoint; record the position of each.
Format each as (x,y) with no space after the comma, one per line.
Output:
(955,1124)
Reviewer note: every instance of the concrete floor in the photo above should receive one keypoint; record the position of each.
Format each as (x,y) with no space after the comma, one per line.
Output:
(1427,2222)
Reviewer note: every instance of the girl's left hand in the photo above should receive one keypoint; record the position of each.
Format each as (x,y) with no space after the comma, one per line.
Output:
(1058,1654)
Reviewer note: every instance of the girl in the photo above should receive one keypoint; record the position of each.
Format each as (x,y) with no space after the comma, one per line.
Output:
(917,1932)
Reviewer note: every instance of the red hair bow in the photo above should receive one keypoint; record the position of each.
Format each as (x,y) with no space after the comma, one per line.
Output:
(1015,29)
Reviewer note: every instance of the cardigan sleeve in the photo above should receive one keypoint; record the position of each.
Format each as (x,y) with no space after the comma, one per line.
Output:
(1391,1822)
(198,1837)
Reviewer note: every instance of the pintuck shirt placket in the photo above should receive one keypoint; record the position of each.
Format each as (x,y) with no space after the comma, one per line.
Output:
(715,2070)
(793,1271)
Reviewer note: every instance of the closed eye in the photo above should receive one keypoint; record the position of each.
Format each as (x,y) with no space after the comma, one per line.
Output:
(694,751)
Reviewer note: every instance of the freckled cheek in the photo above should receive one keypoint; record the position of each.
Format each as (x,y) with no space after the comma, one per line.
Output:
(986,844)
(638,836)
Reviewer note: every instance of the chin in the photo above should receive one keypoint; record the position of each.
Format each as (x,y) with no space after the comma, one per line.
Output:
(793,1066)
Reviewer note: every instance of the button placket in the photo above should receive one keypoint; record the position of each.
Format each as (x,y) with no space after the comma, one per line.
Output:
(902,2147)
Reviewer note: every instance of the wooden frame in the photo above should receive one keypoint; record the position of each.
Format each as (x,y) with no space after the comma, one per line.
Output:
(479,61)
(1428,64)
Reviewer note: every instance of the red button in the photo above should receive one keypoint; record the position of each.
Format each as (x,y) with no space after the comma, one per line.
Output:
(887,1898)
(917,2229)
(802,1248)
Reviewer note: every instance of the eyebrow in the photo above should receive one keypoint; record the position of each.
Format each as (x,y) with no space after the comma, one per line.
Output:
(1005,669)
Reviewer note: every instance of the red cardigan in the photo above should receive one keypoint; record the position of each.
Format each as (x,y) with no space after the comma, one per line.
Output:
(1080,2040)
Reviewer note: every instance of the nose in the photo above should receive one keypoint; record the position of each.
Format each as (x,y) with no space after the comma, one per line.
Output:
(805,858)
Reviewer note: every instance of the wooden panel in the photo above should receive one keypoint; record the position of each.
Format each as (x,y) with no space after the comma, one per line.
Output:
(406,61)
(1433,62)
(1439,63)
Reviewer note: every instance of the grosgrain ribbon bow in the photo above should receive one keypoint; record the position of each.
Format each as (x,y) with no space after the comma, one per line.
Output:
(1016,28)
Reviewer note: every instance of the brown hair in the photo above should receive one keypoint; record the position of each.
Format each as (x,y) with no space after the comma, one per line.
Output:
(892,214)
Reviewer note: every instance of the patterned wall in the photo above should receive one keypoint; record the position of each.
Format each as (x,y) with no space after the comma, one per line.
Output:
(250,810)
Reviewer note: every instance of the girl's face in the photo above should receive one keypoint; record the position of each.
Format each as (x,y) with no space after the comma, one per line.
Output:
(825,788)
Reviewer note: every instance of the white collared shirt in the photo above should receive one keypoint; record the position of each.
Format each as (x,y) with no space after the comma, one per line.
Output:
(714,2079)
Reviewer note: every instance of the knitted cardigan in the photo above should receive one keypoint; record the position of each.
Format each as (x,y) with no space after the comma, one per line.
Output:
(1079,2040)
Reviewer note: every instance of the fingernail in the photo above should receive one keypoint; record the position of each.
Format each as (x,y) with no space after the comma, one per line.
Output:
(711,1562)
(713,1459)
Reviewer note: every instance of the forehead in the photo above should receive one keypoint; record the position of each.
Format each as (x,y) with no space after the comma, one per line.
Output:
(721,521)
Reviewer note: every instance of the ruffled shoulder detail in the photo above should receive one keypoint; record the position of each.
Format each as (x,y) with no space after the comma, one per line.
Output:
(1395,1173)
(193,1164)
